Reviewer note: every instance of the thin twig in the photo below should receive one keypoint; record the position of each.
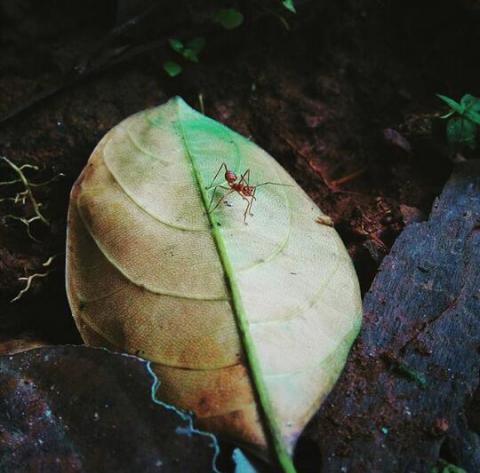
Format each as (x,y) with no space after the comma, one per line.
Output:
(44,183)
(28,190)
(26,222)
(201,104)
(28,284)
(9,183)
(348,178)
(29,279)
(49,261)
(86,67)
(131,23)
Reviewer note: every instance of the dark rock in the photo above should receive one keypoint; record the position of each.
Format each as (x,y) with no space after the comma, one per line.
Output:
(400,405)
(78,409)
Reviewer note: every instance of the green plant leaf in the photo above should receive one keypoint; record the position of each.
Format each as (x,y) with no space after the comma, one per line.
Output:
(172,68)
(229,18)
(289,5)
(247,323)
(473,116)
(197,44)
(194,48)
(457,107)
(445,467)
(471,105)
(176,45)
(461,132)
(191,50)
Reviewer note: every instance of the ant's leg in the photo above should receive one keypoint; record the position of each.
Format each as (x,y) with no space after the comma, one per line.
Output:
(223,165)
(251,201)
(273,184)
(249,205)
(220,200)
(213,195)
(244,178)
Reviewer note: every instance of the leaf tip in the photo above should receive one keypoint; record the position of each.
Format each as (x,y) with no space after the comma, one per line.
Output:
(178,100)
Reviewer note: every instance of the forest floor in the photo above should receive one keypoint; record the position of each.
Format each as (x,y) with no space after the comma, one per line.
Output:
(344,99)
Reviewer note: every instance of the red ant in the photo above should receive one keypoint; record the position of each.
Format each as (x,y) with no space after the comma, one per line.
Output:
(242,187)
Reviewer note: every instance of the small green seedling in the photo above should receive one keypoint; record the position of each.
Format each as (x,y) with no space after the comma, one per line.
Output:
(289,5)
(229,18)
(463,121)
(190,51)
(445,467)
(172,68)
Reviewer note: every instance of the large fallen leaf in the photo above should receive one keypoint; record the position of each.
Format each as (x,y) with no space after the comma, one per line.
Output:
(82,410)
(248,325)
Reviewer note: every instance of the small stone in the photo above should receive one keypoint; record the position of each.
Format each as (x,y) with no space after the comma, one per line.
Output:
(394,138)
(441,425)
(411,214)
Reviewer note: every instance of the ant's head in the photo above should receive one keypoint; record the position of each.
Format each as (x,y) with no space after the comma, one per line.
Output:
(248,190)
(230,177)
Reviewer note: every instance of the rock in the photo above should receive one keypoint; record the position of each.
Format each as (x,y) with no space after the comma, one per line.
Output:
(400,405)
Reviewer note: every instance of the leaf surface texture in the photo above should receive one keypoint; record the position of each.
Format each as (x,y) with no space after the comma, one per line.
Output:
(248,325)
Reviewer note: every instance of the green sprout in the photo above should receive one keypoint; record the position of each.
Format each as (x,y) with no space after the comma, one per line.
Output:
(289,5)
(463,121)
(229,18)
(445,467)
(172,68)
(190,51)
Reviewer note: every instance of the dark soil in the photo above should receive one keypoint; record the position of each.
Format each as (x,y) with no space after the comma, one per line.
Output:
(344,100)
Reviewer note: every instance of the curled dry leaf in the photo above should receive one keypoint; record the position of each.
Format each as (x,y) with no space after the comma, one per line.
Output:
(247,325)
(22,342)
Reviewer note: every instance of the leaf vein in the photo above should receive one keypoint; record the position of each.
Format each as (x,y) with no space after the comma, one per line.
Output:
(146,211)
(161,292)
(303,308)
(118,346)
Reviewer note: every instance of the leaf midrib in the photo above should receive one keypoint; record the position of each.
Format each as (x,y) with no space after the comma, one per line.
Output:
(272,427)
